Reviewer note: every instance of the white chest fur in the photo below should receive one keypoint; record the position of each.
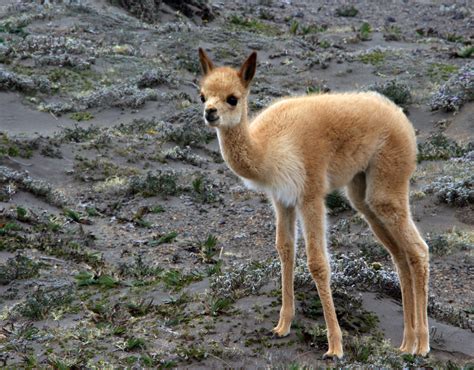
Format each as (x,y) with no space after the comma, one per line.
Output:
(284,174)
(284,180)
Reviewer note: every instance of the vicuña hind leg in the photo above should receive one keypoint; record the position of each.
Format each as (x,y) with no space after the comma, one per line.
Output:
(285,244)
(391,207)
(313,217)
(356,191)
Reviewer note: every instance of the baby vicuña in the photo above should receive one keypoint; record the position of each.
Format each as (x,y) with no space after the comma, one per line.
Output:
(301,148)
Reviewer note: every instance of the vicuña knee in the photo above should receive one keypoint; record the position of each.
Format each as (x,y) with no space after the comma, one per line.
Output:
(285,250)
(419,254)
(388,210)
(319,271)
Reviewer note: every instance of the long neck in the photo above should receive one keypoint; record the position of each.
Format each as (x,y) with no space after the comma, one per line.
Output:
(239,150)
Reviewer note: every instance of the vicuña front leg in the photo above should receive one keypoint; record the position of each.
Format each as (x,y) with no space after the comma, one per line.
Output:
(318,265)
(285,244)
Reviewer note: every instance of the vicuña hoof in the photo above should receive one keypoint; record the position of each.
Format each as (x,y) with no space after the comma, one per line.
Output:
(422,350)
(280,332)
(333,355)
(408,346)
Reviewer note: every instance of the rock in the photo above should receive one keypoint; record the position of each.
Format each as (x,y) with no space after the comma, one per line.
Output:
(298,14)
(149,10)
(191,8)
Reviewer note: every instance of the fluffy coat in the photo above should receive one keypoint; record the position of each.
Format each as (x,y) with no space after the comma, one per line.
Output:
(298,150)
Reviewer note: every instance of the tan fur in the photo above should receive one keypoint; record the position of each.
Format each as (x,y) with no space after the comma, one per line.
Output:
(301,148)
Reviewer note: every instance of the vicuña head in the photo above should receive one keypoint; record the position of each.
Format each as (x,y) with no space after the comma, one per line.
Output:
(224,91)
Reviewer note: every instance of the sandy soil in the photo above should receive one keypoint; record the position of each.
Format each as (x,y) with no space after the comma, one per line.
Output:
(126,241)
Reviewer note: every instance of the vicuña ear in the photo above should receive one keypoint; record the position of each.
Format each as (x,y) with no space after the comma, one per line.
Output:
(247,71)
(206,63)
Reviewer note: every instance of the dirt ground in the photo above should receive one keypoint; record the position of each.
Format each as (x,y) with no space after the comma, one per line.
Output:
(126,241)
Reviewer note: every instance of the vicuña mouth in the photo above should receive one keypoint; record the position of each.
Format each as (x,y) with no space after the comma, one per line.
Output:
(212,122)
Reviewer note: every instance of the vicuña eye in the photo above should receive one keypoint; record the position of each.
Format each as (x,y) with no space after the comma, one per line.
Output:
(232,100)
(203,98)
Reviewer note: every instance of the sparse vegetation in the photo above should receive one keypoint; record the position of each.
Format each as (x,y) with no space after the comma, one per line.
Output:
(125,241)
(139,269)
(347,11)
(351,315)
(336,202)
(18,267)
(324,44)
(465,52)
(159,183)
(85,278)
(254,25)
(453,37)
(208,249)
(203,191)
(82,116)
(219,305)
(100,169)
(457,91)
(80,134)
(455,193)
(375,57)
(441,72)
(392,33)
(16,148)
(40,303)
(365,31)
(135,343)
(397,92)
(163,239)
(175,280)
(439,146)
(448,243)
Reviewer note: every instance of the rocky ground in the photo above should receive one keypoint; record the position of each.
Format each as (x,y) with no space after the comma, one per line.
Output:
(126,241)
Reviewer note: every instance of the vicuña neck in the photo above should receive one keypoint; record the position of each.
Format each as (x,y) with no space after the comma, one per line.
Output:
(240,151)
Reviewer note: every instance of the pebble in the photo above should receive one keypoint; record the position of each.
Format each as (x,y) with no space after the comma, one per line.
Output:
(240,236)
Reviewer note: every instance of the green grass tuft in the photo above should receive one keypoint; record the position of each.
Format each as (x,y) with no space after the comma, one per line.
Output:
(254,25)
(440,72)
(164,239)
(465,52)
(81,116)
(85,278)
(135,343)
(375,57)
(208,249)
(347,11)
(365,31)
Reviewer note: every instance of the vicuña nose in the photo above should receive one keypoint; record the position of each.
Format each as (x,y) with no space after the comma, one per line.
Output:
(211,115)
